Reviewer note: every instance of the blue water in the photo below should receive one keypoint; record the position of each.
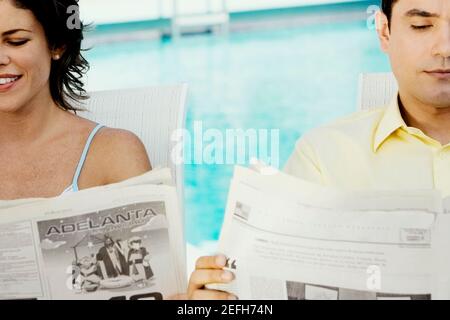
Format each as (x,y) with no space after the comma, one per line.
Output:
(288,79)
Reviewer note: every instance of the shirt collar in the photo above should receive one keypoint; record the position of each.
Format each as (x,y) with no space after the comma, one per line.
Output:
(390,122)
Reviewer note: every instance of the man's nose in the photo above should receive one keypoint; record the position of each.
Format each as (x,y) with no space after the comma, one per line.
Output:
(442,43)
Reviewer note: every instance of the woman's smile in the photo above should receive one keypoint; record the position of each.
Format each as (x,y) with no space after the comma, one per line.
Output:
(8,81)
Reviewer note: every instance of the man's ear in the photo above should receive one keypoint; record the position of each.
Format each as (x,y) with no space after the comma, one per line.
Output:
(383,30)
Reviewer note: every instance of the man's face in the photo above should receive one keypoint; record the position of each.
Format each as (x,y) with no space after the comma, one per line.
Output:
(136,245)
(86,262)
(418,45)
(109,243)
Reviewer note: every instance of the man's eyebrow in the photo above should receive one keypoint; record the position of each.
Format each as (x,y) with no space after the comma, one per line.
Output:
(10,32)
(421,13)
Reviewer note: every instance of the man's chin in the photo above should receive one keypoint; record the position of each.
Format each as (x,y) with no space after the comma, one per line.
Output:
(438,99)
(441,100)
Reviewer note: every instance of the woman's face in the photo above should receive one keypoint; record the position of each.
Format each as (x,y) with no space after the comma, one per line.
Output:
(25,59)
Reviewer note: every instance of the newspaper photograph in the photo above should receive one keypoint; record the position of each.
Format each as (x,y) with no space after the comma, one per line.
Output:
(115,242)
(112,251)
(287,239)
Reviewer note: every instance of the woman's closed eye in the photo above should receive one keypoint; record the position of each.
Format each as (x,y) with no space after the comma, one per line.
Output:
(17,43)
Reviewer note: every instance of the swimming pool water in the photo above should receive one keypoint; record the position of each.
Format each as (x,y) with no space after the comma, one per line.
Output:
(290,79)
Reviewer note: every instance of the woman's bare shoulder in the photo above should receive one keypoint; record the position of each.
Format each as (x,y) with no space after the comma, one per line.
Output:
(119,154)
(115,155)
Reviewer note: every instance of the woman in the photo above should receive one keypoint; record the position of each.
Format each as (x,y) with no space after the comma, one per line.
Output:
(45,148)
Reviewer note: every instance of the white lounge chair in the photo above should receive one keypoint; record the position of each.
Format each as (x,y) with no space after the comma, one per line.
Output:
(376,90)
(152,113)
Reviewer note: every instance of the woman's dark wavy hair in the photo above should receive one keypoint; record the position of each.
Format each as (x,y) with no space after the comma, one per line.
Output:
(66,85)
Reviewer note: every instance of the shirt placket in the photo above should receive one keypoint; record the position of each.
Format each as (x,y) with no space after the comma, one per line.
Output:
(441,170)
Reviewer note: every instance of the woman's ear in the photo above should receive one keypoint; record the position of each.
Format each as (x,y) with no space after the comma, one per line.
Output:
(58,52)
(383,30)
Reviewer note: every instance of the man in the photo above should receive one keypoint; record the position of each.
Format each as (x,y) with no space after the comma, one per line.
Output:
(139,260)
(112,260)
(405,145)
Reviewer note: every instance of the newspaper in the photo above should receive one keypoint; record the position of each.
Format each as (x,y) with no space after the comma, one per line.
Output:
(122,241)
(290,239)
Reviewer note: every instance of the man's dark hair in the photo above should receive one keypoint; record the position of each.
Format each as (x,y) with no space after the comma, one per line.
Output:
(66,85)
(386,7)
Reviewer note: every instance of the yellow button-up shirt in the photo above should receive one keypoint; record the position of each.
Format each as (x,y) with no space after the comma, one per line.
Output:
(372,150)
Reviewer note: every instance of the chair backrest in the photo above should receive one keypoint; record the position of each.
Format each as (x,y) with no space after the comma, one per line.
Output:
(153,114)
(376,90)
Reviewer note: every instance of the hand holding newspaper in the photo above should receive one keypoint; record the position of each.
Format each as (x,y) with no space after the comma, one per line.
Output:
(289,239)
(122,241)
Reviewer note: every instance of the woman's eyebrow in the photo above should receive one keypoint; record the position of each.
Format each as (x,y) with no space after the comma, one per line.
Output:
(10,32)
(421,13)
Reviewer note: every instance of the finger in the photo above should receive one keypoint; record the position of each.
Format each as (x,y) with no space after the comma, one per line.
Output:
(212,295)
(211,262)
(200,278)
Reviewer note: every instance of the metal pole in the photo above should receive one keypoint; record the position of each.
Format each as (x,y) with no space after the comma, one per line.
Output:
(160,15)
(224,6)
(175,14)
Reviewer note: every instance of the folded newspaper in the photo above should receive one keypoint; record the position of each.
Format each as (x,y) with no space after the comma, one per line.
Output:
(121,241)
(290,239)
